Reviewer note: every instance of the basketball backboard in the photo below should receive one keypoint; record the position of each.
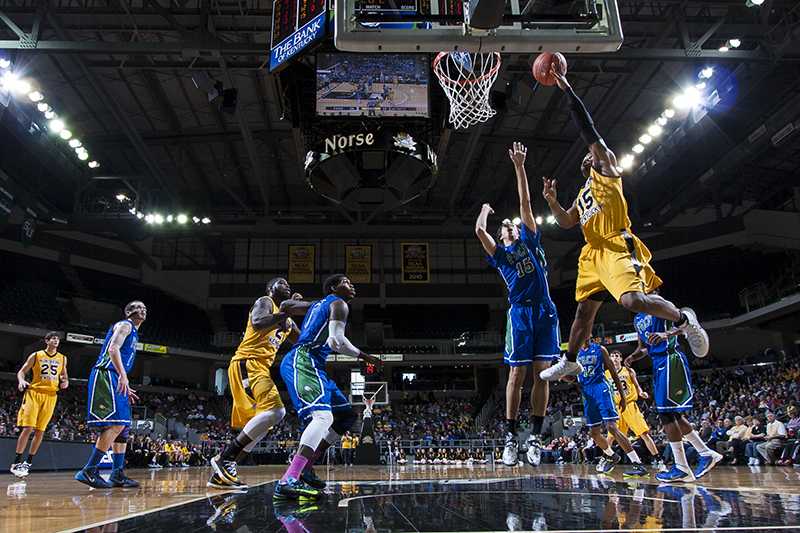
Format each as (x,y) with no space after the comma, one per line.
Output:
(438,25)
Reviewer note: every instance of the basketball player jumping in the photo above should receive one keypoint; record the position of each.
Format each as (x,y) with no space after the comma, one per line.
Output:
(49,370)
(631,419)
(257,405)
(672,395)
(110,398)
(532,335)
(599,408)
(320,404)
(613,260)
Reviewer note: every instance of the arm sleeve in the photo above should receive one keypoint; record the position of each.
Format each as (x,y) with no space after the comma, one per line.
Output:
(338,342)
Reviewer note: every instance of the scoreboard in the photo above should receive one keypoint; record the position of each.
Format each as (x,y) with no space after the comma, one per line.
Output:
(296,24)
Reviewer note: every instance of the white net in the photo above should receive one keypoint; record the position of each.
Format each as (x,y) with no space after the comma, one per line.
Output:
(466,79)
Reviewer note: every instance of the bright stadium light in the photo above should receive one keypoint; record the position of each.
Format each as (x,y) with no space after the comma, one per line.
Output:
(65,134)
(516,221)
(132,210)
(56,125)
(122,197)
(206,220)
(158,219)
(19,86)
(170,218)
(661,121)
(35,96)
(539,220)
(43,107)
(140,215)
(626,161)
(654,130)
(4,63)
(49,114)
(669,112)
(182,219)
(75,143)
(149,219)
(752,3)
(706,73)
(724,48)
(700,86)
(93,164)
(551,219)
(645,139)
(83,156)
(638,148)
(735,43)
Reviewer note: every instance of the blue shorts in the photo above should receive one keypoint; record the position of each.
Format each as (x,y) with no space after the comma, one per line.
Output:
(672,383)
(598,404)
(309,386)
(106,407)
(532,334)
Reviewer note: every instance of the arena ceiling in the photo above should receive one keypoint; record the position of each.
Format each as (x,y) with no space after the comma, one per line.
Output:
(122,72)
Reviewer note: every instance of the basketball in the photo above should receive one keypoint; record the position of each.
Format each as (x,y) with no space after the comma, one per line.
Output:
(541,67)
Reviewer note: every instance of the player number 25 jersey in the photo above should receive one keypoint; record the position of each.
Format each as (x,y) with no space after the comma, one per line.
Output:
(602,207)
(47,371)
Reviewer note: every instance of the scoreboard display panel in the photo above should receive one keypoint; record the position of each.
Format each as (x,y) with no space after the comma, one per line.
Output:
(296,24)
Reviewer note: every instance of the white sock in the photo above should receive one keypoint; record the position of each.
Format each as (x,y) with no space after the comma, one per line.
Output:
(695,440)
(608,451)
(634,457)
(680,456)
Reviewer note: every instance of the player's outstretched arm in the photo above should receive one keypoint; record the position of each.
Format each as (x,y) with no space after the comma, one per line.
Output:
(295,305)
(64,379)
(480,229)
(638,353)
(604,159)
(639,392)
(614,376)
(22,383)
(566,218)
(517,153)
(336,338)
(262,317)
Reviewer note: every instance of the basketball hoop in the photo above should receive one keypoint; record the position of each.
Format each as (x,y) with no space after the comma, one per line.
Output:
(466,79)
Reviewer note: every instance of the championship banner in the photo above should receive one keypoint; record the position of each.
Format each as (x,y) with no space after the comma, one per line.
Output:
(415,262)
(301,263)
(358,263)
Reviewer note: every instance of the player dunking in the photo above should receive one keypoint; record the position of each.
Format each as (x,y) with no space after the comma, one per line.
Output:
(599,408)
(672,395)
(257,405)
(631,419)
(315,396)
(532,336)
(48,368)
(110,398)
(613,260)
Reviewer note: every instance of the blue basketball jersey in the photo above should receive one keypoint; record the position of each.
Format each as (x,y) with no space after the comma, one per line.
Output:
(594,370)
(645,325)
(524,269)
(127,351)
(314,332)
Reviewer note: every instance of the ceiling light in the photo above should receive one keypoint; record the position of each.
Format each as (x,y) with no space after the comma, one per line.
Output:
(516,221)
(626,161)
(551,219)
(49,114)
(65,134)
(4,63)
(8,80)
(182,219)
(539,220)
(149,219)
(56,125)
(735,43)
(140,215)
(680,101)
(36,96)
(700,86)
(724,48)
(93,164)
(83,156)
(80,150)
(74,143)
(121,197)
(638,148)
(645,139)
(42,107)
(751,3)
(654,130)
(20,86)
(195,220)
(170,218)
(132,210)
(669,112)
(706,73)
(661,121)
(206,220)
(158,219)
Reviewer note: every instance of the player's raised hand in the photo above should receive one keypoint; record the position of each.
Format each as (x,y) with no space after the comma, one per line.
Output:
(371,359)
(297,296)
(549,190)
(22,385)
(656,337)
(561,79)
(644,395)
(487,208)
(517,153)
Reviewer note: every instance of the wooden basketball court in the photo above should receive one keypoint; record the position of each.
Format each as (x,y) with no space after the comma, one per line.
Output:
(413,498)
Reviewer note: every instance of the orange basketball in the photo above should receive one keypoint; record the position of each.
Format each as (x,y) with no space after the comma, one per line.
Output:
(541,67)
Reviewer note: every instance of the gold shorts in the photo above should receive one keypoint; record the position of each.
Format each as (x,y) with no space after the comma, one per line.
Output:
(37,410)
(252,389)
(632,420)
(620,264)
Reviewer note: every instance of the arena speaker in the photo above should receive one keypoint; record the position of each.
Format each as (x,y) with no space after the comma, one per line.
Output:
(485,15)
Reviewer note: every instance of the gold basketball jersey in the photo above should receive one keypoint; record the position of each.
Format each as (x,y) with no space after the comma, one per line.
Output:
(628,389)
(602,207)
(261,343)
(47,371)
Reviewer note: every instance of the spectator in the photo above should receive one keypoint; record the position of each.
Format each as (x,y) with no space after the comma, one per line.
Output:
(755,435)
(776,437)
(734,446)
(792,449)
